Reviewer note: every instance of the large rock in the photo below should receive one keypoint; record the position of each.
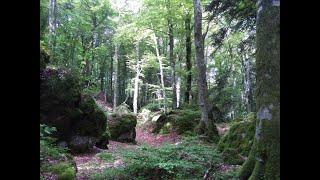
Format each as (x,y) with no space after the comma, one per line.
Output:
(81,144)
(122,127)
(240,136)
(62,106)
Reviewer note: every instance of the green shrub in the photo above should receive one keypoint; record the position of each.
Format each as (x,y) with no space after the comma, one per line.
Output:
(186,160)
(65,171)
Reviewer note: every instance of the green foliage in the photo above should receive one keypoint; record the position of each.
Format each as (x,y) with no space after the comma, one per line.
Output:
(48,149)
(124,124)
(64,171)
(152,106)
(239,137)
(105,156)
(231,156)
(46,130)
(180,120)
(188,159)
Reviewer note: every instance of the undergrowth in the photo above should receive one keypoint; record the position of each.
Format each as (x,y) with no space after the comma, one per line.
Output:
(188,159)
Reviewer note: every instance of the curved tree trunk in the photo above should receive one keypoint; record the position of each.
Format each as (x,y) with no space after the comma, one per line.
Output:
(264,159)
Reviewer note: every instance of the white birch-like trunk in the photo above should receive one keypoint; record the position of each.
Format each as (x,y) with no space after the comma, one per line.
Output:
(136,81)
(115,88)
(161,72)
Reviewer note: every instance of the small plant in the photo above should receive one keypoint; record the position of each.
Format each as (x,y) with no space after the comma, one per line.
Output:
(105,156)
(46,130)
(65,171)
(186,160)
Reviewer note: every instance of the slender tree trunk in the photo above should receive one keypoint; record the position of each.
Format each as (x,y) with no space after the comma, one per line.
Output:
(198,40)
(188,94)
(172,64)
(110,73)
(161,73)
(136,81)
(248,83)
(51,16)
(115,88)
(264,158)
(178,85)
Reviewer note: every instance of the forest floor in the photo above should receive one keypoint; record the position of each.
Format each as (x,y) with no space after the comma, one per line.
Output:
(90,163)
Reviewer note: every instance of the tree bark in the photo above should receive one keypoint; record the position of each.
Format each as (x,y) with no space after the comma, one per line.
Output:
(136,80)
(52,20)
(202,84)
(172,64)
(115,88)
(263,161)
(188,94)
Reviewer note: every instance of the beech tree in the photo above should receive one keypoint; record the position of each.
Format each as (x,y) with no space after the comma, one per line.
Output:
(263,161)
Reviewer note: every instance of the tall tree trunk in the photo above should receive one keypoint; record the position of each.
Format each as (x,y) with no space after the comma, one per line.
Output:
(52,20)
(136,80)
(198,40)
(172,64)
(161,74)
(110,79)
(248,78)
(188,94)
(115,88)
(263,161)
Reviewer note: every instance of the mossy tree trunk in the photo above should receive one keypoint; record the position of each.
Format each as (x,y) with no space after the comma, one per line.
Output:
(263,161)
(205,127)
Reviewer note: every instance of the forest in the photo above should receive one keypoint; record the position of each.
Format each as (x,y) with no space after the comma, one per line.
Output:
(159,89)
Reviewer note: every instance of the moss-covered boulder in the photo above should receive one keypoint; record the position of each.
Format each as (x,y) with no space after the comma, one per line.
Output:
(122,127)
(73,114)
(232,157)
(185,121)
(81,144)
(240,136)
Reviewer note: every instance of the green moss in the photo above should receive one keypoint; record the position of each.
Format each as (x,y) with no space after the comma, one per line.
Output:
(181,120)
(65,171)
(239,137)
(121,125)
(231,156)
(166,128)
(88,105)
